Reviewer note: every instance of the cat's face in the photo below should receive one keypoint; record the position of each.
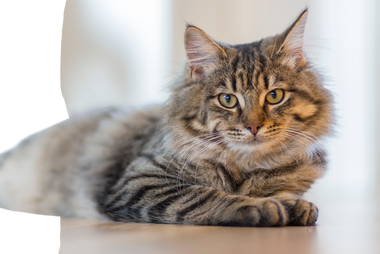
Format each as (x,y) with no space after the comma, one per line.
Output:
(252,98)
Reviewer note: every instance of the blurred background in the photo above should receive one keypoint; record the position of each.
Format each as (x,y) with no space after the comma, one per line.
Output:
(117,52)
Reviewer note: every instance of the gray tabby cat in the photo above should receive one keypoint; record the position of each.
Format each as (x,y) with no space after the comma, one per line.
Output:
(236,144)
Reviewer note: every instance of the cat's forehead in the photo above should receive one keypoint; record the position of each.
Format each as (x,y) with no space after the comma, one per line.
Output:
(247,69)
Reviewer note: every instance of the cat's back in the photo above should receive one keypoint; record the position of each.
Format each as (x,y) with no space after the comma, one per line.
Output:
(65,157)
(60,139)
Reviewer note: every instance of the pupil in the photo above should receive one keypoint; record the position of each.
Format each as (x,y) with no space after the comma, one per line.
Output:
(273,94)
(228,98)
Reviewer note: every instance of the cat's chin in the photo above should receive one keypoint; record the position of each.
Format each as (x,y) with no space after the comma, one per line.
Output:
(255,147)
(251,141)
(255,142)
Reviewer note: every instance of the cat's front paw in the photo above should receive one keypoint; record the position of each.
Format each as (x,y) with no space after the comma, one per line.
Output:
(303,213)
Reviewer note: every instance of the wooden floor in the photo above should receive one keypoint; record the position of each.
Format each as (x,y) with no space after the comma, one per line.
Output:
(342,228)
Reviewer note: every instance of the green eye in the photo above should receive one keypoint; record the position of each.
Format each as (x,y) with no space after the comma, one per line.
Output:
(275,96)
(228,100)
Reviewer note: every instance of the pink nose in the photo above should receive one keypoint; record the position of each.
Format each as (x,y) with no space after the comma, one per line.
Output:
(254,128)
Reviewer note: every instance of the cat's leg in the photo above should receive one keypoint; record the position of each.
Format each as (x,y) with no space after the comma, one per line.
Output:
(154,199)
(287,184)
(301,212)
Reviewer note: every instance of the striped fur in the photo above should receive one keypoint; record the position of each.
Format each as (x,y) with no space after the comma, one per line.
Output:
(191,161)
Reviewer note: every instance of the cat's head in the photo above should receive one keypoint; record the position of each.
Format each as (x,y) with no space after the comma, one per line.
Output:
(252,99)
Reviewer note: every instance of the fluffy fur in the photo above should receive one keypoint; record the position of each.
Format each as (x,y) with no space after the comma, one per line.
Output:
(193,160)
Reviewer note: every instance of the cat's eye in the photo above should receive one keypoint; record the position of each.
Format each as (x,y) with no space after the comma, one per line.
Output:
(228,100)
(275,96)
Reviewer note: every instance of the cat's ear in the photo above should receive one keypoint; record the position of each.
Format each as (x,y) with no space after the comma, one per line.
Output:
(292,46)
(202,52)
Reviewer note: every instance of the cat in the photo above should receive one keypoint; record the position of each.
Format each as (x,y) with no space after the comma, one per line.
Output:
(237,144)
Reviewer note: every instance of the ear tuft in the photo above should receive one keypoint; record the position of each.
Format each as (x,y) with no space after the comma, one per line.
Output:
(202,52)
(292,47)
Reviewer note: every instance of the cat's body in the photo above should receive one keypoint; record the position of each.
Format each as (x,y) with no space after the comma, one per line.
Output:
(235,145)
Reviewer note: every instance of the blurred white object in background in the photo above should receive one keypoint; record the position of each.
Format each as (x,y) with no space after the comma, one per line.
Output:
(347,55)
(115,52)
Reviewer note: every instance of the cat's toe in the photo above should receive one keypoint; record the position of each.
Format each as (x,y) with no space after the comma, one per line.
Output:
(262,212)
(303,213)
(272,213)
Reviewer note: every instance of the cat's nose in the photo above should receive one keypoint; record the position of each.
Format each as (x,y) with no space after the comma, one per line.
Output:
(254,128)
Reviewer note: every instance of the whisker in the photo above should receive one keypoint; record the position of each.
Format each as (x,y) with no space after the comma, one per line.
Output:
(188,141)
(302,134)
(197,141)
(188,161)
(286,149)
(200,141)
(302,141)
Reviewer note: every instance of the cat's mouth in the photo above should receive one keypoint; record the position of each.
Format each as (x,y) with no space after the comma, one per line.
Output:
(246,139)
(255,141)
